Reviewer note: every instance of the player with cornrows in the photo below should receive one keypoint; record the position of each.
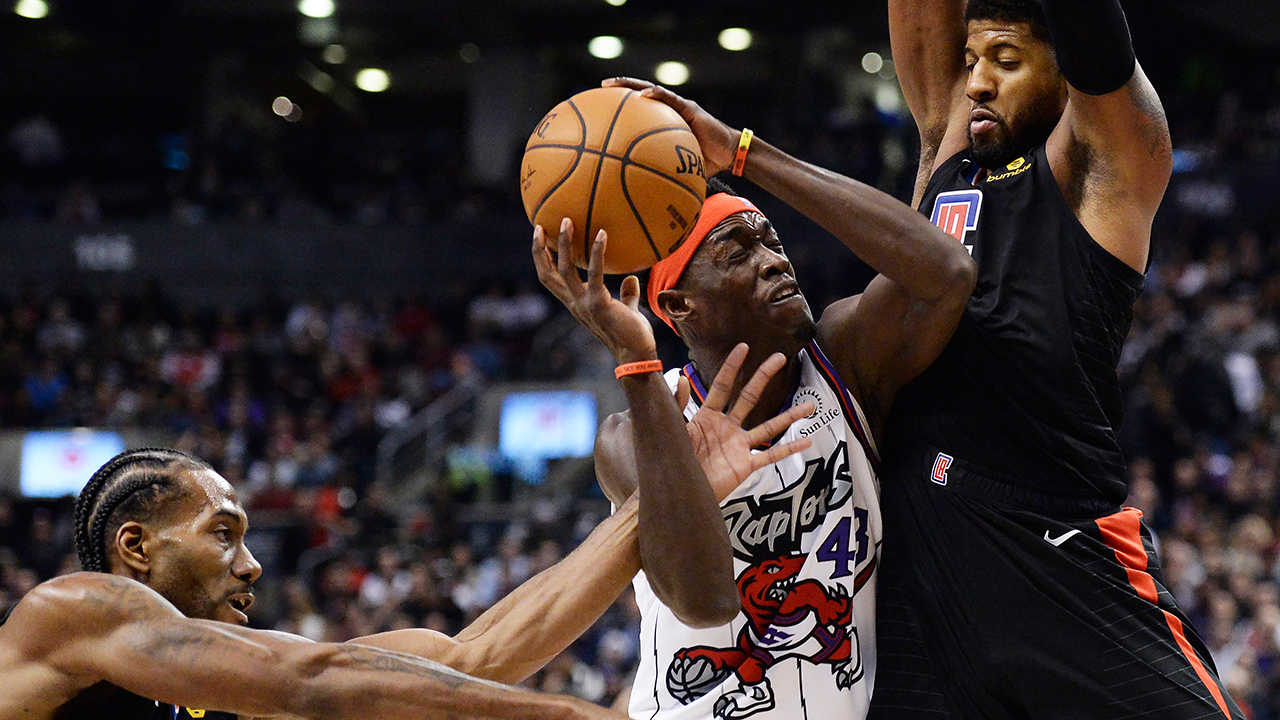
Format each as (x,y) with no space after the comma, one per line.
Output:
(154,627)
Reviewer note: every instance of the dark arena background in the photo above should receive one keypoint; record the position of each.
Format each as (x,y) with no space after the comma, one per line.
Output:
(287,237)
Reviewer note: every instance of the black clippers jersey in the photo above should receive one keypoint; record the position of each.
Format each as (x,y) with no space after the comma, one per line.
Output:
(1027,389)
(107,702)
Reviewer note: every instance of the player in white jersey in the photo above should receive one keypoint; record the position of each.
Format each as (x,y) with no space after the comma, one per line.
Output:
(802,532)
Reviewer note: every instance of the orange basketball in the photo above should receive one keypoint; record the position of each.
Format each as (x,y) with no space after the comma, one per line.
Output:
(609,158)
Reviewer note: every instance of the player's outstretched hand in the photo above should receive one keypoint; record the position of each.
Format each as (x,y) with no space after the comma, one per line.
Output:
(617,322)
(719,142)
(723,446)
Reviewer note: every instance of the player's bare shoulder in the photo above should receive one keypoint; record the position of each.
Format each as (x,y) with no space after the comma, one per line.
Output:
(45,633)
(63,612)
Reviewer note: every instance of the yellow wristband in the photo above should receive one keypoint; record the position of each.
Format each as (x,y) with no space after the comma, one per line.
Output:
(744,144)
(637,368)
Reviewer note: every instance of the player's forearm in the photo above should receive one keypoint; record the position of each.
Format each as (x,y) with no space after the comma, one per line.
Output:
(1092,44)
(927,38)
(526,629)
(684,544)
(254,673)
(886,234)
(352,682)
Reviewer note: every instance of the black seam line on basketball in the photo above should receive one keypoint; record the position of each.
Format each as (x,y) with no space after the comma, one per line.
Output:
(649,133)
(622,180)
(577,159)
(625,163)
(621,158)
(591,202)
(606,153)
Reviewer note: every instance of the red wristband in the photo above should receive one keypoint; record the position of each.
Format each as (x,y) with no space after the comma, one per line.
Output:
(740,158)
(637,368)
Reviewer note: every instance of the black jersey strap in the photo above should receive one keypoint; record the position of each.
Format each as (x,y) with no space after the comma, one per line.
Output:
(5,615)
(1091,40)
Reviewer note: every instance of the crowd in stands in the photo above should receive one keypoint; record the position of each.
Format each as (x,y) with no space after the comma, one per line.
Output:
(290,401)
(290,404)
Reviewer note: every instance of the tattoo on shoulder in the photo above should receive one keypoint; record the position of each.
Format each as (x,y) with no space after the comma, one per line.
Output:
(119,595)
(178,644)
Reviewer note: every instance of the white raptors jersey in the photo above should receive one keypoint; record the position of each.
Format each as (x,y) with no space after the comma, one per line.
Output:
(806,535)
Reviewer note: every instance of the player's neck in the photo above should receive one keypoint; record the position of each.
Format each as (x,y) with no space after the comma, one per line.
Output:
(707,363)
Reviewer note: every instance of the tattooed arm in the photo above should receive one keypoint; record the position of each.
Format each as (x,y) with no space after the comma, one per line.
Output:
(127,635)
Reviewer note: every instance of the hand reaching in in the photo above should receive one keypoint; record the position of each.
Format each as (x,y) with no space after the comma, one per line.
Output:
(723,446)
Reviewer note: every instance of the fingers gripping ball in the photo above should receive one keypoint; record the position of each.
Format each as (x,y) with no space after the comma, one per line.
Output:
(611,159)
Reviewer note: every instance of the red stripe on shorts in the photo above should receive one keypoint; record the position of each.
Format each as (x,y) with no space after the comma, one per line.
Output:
(1122,532)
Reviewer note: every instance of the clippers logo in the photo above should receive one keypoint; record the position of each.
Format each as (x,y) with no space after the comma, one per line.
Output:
(957,213)
(940,468)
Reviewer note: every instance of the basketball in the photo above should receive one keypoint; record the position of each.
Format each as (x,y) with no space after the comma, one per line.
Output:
(611,159)
(689,678)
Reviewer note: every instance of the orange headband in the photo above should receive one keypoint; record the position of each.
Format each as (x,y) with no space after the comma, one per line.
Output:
(667,272)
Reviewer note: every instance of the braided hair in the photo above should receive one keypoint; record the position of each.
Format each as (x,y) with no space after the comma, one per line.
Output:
(134,485)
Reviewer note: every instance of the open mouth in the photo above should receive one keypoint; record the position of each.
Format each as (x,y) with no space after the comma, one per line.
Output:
(778,592)
(785,292)
(240,602)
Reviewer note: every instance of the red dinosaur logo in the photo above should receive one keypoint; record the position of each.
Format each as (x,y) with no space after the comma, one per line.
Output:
(786,618)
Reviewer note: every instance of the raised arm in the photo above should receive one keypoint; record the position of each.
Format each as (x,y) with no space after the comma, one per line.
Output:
(903,320)
(684,545)
(127,635)
(529,627)
(927,38)
(1111,153)
(538,620)
(900,325)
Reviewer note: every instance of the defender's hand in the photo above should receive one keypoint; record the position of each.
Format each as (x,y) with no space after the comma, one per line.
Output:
(723,446)
(617,322)
(719,142)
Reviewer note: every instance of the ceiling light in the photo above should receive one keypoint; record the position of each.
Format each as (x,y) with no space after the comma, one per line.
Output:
(616,3)
(672,73)
(605,47)
(735,39)
(321,81)
(872,62)
(372,80)
(34,9)
(334,54)
(316,8)
(282,106)
(888,99)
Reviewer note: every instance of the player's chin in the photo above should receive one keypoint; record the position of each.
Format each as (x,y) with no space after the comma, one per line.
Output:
(792,313)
